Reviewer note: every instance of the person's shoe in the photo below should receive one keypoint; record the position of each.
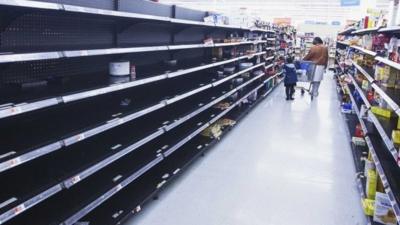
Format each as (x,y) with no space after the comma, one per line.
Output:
(287,99)
(292,98)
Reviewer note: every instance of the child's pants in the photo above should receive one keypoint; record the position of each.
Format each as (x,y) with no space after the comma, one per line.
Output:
(289,90)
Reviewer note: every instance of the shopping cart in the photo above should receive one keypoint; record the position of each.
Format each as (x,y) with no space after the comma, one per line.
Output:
(305,75)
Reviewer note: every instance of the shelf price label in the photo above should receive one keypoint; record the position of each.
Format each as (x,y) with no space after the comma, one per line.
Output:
(19,209)
(15,162)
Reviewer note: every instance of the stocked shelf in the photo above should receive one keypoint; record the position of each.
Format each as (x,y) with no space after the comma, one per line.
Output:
(388,62)
(347,31)
(369,52)
(366,31)
(390,29)
(391,96)
(343,43)
(360,153)
(383,127)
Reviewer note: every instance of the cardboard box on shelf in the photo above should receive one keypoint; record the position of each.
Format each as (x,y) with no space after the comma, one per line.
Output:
(381,111)
(383,212)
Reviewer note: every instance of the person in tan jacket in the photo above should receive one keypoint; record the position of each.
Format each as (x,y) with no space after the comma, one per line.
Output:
(318,54)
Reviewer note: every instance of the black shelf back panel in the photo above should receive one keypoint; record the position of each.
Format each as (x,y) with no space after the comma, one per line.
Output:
(145,7)
(189,14)
(145,34)
(51,31)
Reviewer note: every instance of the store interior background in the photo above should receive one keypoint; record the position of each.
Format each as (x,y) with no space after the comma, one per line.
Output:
(330,16)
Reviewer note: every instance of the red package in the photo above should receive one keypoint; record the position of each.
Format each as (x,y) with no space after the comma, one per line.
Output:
(359,132)
(370,96)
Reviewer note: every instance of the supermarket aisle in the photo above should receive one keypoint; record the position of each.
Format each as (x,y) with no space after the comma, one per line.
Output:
(286,163)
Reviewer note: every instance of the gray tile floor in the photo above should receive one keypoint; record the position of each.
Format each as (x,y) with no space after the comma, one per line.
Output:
(286,163)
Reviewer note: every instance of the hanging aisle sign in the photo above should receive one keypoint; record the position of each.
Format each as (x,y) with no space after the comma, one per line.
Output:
(349,2)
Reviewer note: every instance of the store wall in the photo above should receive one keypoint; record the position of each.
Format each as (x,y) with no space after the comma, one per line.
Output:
(324,31)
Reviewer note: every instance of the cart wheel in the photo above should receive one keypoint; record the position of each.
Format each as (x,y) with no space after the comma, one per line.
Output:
(302,91)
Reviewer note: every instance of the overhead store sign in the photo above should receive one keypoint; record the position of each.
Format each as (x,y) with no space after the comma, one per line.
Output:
(349,2)
(282,21)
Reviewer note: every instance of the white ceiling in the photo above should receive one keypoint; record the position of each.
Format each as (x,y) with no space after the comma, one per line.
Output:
(298,10)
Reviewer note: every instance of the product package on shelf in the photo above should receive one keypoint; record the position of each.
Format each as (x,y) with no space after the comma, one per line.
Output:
(368,206)
(213,131)
(226,122)
(379,41)
(387,113)
(396,137)
(358,141)
(389,78)
(371,184)
(398,124)
(383,212)
(367,41)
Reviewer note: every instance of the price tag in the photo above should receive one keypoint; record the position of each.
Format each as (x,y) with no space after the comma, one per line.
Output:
(121,121)
(118,187)
(16,110)
(80,137)
(75,179)
(14,162)
(19,209)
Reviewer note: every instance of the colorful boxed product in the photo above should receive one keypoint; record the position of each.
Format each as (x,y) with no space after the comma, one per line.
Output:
(381,111)
(383,212)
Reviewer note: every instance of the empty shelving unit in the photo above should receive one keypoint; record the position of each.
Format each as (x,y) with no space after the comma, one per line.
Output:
(76,145)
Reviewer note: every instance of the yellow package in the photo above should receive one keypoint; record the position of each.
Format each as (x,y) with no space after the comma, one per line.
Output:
(396,137)
(371,184)
(398,123)
(368,206)
(381,112)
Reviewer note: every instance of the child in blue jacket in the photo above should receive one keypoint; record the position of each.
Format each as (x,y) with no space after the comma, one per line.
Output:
(289,70)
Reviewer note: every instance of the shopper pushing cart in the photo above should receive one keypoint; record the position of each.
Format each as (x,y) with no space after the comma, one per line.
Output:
(305,72)
(318,54)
